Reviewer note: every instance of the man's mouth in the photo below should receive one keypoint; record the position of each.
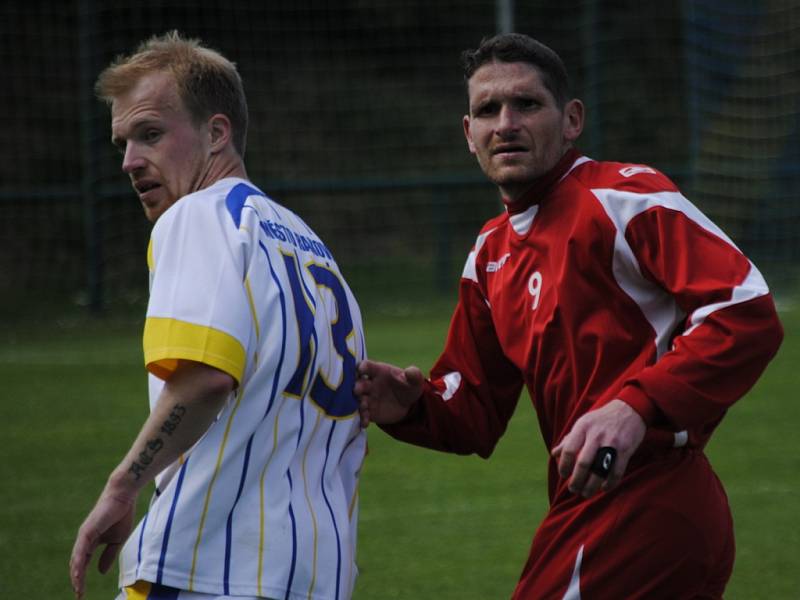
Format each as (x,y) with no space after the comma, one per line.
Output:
(142,187)
(508,149)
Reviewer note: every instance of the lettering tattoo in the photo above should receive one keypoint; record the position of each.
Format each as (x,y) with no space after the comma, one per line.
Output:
(153,446)
(173,419)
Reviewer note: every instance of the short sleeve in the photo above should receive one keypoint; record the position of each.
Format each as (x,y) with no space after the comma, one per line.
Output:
(198,308)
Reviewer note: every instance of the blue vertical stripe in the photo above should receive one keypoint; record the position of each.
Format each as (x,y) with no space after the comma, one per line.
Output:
(302,422)
(347,445)
(229,525)
(294,540)
(283,321)
(330,510)
(167,529)
(141,542)
(273,394)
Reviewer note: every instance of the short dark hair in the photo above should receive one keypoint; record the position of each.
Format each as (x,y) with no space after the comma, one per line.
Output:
(517,47)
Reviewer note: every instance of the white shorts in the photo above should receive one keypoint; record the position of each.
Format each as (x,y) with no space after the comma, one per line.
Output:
(144,590)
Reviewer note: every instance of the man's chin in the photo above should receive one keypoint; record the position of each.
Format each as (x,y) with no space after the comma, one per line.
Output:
(154,208)
(150,215)
(516,178)
(153,211)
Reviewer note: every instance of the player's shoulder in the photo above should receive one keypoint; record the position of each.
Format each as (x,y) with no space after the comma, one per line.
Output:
(493,224)
(491,228)
(226,196)
(628,177)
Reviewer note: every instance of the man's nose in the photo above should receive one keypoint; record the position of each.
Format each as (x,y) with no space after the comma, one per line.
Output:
(507,120)
(132,160)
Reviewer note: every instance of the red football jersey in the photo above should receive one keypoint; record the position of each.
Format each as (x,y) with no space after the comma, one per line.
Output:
(603,282)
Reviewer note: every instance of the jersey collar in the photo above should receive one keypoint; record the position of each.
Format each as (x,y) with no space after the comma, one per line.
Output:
(542,184)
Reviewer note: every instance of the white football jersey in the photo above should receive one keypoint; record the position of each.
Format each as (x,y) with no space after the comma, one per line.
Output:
(265,504)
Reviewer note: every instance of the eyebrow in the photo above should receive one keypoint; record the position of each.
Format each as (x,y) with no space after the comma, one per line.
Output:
(119,141)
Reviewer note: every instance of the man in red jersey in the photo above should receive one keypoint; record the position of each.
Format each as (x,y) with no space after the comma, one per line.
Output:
(633,320)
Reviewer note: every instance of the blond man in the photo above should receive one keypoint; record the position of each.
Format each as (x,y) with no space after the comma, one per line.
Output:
(251,341)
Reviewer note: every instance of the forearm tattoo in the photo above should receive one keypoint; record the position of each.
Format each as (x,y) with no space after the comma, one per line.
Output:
(154,445)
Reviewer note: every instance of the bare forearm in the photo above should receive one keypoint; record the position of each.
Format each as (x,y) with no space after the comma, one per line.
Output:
(187,407)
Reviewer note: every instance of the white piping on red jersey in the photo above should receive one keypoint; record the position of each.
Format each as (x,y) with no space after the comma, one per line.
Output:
(577,163)
(522,222)
(452,382)
(574,590)
(681,438)
(470,271)
(658,307)
(752,287)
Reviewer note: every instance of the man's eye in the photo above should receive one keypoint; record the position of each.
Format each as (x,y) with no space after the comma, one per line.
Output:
(485,110)
(527,104)
(152,135)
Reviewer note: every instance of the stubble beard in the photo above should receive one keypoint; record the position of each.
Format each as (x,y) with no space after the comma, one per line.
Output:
(513,181)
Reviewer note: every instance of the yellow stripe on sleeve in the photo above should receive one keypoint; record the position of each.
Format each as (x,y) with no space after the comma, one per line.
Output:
(166,341)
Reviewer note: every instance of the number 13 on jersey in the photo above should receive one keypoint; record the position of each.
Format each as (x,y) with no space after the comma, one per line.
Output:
(335,398)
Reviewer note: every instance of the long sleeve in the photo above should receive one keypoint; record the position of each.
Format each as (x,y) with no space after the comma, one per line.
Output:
(731,330)
(473,388)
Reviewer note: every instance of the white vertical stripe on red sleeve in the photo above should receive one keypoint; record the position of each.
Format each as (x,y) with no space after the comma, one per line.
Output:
(658,306)
(752,287)
(470,270)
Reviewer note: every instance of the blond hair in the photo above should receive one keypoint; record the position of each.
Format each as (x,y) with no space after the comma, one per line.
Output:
(207,82)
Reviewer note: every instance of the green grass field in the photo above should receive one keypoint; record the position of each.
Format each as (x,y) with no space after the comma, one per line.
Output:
(432,525)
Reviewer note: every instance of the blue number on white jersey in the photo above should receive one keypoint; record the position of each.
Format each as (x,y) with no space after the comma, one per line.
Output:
(338,401)
(305,325)
(341,401)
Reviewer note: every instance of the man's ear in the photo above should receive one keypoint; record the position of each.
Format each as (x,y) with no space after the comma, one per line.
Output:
(468,134)
(219,128)
(573,120)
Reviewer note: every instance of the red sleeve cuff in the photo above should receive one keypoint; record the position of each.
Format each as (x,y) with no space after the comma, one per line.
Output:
(640,402)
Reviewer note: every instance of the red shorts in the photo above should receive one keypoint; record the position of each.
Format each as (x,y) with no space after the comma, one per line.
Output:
(665,532)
